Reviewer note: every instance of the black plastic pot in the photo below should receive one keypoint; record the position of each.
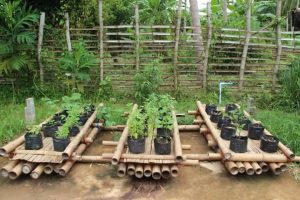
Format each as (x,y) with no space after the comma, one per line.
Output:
(215,116)
(59,118)
(239,144)
(163,132)
(33,141)
(82,119)
(49,130)
(209,108)
(60,144)
(230,107)
(255,131)
(162,145)
(223,122)
(136,145)
(73,131)
(269,143)
(228,131)
(245,124)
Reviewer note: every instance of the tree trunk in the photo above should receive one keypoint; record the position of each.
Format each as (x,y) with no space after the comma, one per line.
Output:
(39,46)
(100,16)
(197,37)
(209,35)
(224,10)
(137,37)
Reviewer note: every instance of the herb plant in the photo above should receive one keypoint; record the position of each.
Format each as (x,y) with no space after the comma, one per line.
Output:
(33,129)
(136,125)
(103,114)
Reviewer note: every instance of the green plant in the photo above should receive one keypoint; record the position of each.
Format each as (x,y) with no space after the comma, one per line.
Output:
(105,90)
(63,132)
(136,124)
(104,115)
(77,64)
(71,102)
(17,39)
(147,81)
(151,113)
(33,129)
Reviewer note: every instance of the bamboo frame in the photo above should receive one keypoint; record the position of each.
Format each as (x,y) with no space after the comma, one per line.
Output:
(28,167)
(147,170)
(165,172)
(16,171)
(174,170)
(139,171)
(177,143)
(156,172)
(37,172)
(121,170)
(4,171)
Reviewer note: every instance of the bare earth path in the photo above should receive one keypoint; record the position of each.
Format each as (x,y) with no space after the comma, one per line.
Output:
(99,181)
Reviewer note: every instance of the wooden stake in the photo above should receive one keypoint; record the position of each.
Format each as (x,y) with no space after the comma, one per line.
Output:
(68,36)
(100,16)
(137,37)
(39,46)
(209,35)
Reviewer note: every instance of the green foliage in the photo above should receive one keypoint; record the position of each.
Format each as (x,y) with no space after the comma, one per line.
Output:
(76,65)
(105,90)
(147,81)
(104,115)
(33,129)
(71,120)
(71,102)
(136,124)
(63,132)
(17,40)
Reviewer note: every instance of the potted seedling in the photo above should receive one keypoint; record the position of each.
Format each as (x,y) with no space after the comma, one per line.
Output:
(223,121)
(209,108)
(228,131)
(215,116)
(72,122)
(89,109)
(33,138)
(238,143)
(162,143)
(269,143)
(255,131)
(230,107)
(165,104)
(60,118)
(50,128)
(136,138)
(151,113)
(61,139)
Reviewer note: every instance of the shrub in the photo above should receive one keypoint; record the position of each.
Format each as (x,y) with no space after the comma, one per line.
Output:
(136,125)
(105,90)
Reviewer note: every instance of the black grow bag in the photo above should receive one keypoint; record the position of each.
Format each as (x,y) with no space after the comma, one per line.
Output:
(269,143)
(255,131)
(162,145)
(228,131)
(215,116)
(73,131)
(230,107)
(82,119)
(245,124)
(239,144)
(163,132)
(209,108)
(59,118)
(49,130)
(33,141)
(60,144)
(223,122)
(136,145)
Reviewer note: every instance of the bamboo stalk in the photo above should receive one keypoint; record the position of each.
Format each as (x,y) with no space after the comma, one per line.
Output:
(204,157)
(122,127)
(264,166)
(68,37)
(208,43)
(193,112)
(121,170)
(137,37)
(119,150)
(8,167)
(49,168)
(255,157)
(28,167)
(249,169)
(147,170)
(100,17)
(37,172)
(39,46)
(76,140)
(92,159)
(210,140)
(241,167)
(156,172)
(275,168)
(139,171)
(283,167)
(115,143)
(92,135)
(174,170)
(176,138)
(165,172)
(231,167)
(16,171)
(130,169)
(256,167)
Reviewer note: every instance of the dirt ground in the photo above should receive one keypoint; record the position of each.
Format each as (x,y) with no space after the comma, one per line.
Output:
(99,181)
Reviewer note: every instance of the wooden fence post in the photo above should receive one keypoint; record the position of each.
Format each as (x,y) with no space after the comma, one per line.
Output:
(68,37)
(39,46)
(209,35)
(224,10)
(100,16)
(246,44)
(137,37)
(279,45)
(177,37)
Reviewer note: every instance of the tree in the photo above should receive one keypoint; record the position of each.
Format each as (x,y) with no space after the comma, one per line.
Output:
(17,40)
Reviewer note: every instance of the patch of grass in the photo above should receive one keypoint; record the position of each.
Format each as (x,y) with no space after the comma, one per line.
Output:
(284,125)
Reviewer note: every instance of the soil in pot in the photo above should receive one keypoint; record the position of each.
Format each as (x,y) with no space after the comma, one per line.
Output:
(255,131)
(136,145)
(224,121)
(162,145)
(60,144)
(215,116)
(49,130)
(74,130)
(209,108)
(269,143)
(230,107)
(33,141)
(239,144)
(228,131)
(163,132)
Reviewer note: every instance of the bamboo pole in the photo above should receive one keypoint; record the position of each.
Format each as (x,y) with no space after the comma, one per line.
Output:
(147,170)
(37,172)
(241,167)
(115,143)
(190,162)
(165,172)
(258,157)
(204,157)
(246,43)
(92,135)
(130,169)
(121,127)
(100,17)
(39,46)
(16,171)
(90,159)
(49,168)
(177,37)
(264,166)
(28,167)
(211,142)
(8,167)
(76,140)
(68,36)
(283,167)
(139,171)
(275,168)
(208,43)
(119,150)
(231,167)
(137,37)
(174,170)
(121,170)
(156,172)
(176,138)
(249,169)
(279,45)
(256,167)
(224,150)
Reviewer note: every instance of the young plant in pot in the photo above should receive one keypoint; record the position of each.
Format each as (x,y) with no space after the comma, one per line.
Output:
(223,121)
(269,143)
(209,108)
(162,143)
(255,131)
(215,116)
(72,122)
(136,137)
(89,109)
(230,108)
(50,128)
(33,138)
(60,118)
(61,139)
(238,143)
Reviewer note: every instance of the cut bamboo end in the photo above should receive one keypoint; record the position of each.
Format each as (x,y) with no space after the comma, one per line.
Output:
(121,170)
(147,170)
(8,167)
(28,167)
(257,168)
(174,170)
(165,172)
(275,168)
(114,161)
(179,158)
(283,167)
(2,152)
(37,172)
(264,166)
(16,171)
(249,169)
(48,169)
(241,167)
(139,171)
(131,169)
(192,112)
(231,167)
(156,172)
(57,167)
